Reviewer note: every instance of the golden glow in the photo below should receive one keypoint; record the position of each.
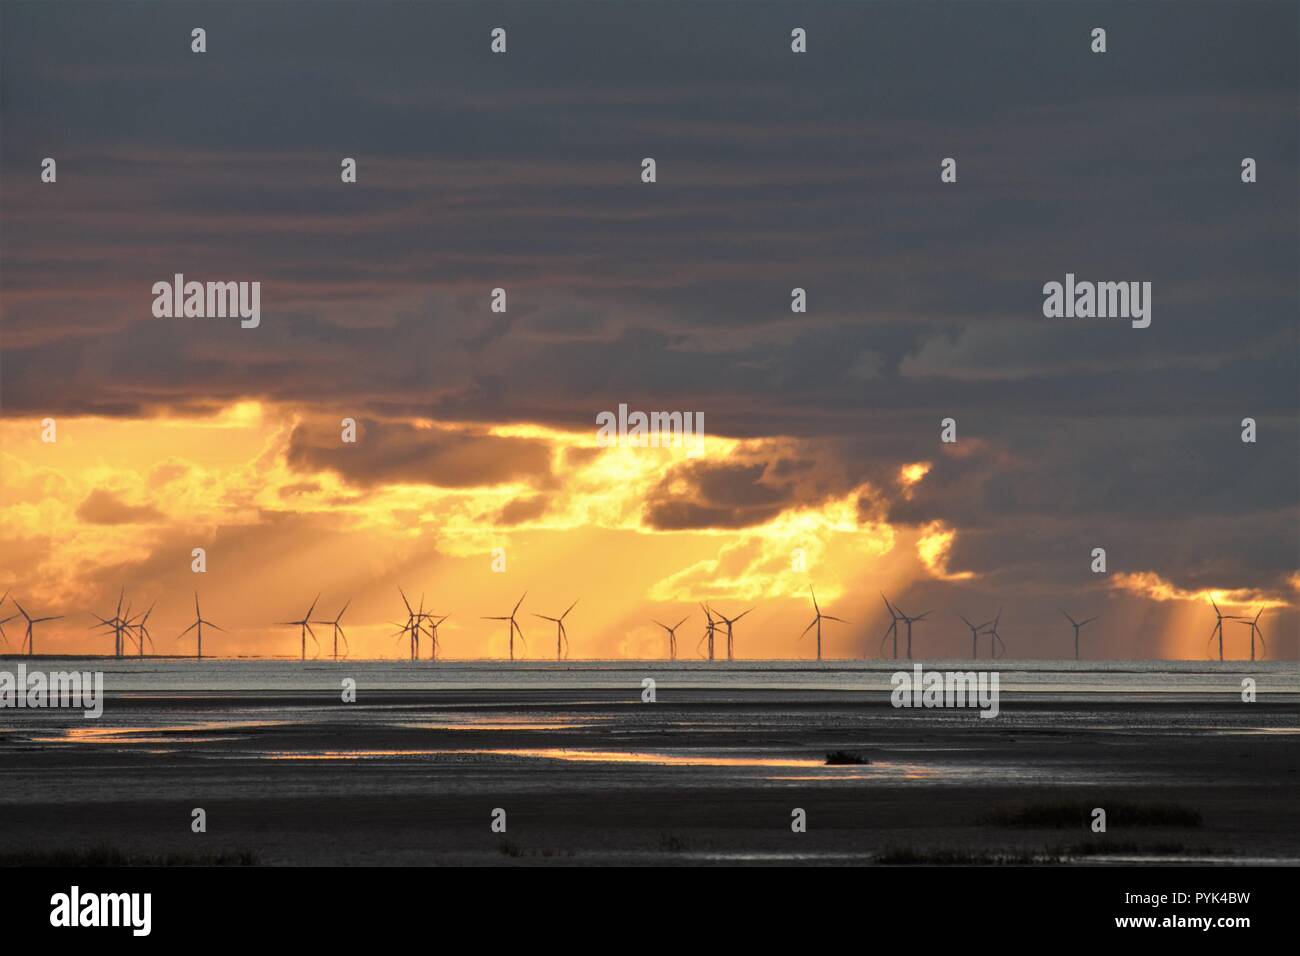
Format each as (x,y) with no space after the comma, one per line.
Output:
(934,547)
(123,502)
(1148,584)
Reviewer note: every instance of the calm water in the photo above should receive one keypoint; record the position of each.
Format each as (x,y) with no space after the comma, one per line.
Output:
(1067,679)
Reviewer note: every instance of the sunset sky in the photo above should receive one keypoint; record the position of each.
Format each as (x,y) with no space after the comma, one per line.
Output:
(823,464)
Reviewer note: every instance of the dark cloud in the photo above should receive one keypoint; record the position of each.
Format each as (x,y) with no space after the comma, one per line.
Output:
(395,452)
(703,495)
(818,171)
(104,507)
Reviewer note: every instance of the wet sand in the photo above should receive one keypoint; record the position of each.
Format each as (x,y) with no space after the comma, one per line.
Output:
(590,774)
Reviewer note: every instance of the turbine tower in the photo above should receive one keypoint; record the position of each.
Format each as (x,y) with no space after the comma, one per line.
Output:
(975,631)
(514,625)
(1253,624)
(909,621)
(1077,626)
(117,623)
(434,624)
(561,635)
(414,623)
(304,628)
(142,629)
(338,632)
(1220,617)
(672,636)
(892,631)
(709,630)
(817,622)
(995,639)
(29,638)
(729,621)
(198,623)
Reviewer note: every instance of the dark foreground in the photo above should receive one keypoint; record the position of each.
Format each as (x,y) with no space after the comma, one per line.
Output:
(702,776)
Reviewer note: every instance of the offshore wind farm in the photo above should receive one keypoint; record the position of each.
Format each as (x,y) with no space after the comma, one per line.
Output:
(422,625)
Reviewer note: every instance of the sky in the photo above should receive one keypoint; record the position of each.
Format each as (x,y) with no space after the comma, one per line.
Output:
(823,465)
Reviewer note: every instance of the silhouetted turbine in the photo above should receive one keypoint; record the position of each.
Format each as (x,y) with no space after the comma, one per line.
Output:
(894,618)
(304,628)
(975,631)
(117,623)
(561,635)
(414,621)
(672,636)
(995,639)
(1218,626)
(29,638)
(909,621)
(1255,629)
(338,631)
(709,629)
(198,623)
(817,622)
(514,625)
(729,621)
(1077,626)
(434,644)
(141,629)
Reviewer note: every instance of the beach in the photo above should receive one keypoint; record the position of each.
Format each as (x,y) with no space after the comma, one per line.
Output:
(713,771)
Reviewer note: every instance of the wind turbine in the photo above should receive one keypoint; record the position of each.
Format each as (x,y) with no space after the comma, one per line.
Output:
(910,621)
(1077,626)
(116,622)
(892,631)
(142,629)
(1220,617)
(338,632)
(414,621)
(198,623)
(29,639)
(817,621)
(1253,624)
(672,636)
(995,639)
(304,628)
(514,625)
(561,635)
(709,629)
(975,631)
(434,623)
(729,621)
